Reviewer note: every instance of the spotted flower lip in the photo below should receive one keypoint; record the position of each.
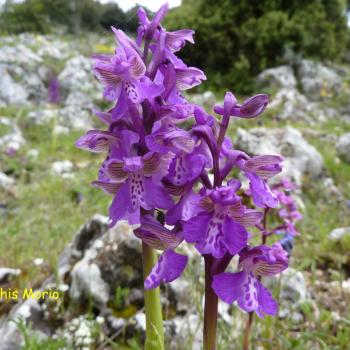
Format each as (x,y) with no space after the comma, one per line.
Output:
(245,286)
(170,265)
(140,188)
(215,229)
(250,108)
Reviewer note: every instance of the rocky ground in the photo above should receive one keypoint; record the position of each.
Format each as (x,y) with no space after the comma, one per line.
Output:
(46,95)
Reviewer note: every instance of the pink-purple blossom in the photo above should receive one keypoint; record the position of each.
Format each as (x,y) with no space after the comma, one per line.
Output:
(160,152)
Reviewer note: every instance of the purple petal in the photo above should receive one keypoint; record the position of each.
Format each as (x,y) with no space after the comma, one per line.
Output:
(228,286)
(115,170)
(185,209)
(157,165)
(156,20)
(170,265)
(250,217)
(194,229)
(121,205)
(177,40)
(267,305)
(186,168)
(252,107)
(156,195)
(235,236)
(156,235)
(262,195)
(96,141)
(189,77)
(108,187)
(145,90)
(248,299)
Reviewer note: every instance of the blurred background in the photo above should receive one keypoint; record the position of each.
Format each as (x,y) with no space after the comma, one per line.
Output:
(53,235)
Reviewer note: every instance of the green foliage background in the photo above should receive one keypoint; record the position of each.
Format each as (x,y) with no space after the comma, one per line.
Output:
(237,39)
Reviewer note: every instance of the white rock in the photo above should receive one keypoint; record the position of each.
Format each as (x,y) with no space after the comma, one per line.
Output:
(318,80)
(293,286)
(33,153)
(87,277)
(6,182)
(38,261)
(339,233)
(343,147)
(6,273)
(13,139)
(299,156)
(61,167)
(281,77)
(42,116)
(11,93)
(60,130)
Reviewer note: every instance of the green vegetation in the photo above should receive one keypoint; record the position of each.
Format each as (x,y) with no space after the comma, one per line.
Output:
(69,16)
(45,211)
(236,40)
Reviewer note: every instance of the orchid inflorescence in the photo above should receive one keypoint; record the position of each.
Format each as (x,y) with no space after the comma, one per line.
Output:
(169,164)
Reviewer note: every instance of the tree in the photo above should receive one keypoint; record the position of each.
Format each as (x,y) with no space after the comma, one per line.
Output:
(236,39)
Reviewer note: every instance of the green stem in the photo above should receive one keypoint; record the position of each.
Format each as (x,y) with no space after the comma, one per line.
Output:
(154,319)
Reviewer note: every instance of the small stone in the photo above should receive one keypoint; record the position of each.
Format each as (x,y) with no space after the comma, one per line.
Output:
(61,167)
(343,147)
(339,233)
(38,261)
(7,273)
(6,182)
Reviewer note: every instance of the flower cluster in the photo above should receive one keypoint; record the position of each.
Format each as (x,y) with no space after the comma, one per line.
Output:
(160,152)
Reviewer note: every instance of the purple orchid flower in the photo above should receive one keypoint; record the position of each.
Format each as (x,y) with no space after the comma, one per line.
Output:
(245,286)
(138,179)
(124,73)
(219,227)
(258,170)
(168,162)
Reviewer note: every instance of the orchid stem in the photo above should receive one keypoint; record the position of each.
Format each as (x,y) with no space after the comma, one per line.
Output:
(210,308)
(154,319)
(248,327)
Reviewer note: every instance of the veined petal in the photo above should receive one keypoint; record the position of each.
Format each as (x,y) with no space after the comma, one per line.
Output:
(137,67)
(252,107)
(177,40)
(156,164)
(228,286)
(170,265)
(264,166)
(189,77)
(96,141)
(165,238)
(108,187)
(250,217)
(115,169)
